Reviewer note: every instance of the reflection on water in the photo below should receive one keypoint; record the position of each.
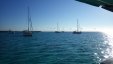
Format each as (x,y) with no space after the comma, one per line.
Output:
(107,47)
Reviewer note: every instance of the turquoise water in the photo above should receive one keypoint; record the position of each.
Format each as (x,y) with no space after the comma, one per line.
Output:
(54,48)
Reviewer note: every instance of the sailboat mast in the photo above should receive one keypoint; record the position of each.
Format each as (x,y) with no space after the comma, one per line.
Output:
(28,19)
(57,26)
(77,25)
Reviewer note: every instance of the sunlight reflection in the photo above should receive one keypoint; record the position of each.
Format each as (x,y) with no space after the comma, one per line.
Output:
(108,32)
(108,52)
(105,47)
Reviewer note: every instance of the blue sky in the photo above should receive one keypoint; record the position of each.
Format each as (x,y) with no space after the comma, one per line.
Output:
(46,14)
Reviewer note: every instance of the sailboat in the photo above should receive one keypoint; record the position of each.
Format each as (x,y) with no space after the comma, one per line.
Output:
(28,32)
(57,29)
(77,31)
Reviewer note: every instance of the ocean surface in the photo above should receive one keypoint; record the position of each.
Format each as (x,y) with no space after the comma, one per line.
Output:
(55,48)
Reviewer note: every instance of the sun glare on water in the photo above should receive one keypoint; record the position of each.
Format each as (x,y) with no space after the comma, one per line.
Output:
(109,42)
(110,33)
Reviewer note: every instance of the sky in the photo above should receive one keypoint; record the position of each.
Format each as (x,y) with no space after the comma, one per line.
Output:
(46,14)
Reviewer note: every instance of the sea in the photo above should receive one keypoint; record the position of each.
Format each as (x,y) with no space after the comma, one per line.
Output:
(55,48)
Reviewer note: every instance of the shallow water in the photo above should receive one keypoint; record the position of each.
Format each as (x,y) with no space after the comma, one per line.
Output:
(54,48)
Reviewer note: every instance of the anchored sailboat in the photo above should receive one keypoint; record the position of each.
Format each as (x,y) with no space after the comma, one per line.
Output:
(28,32)
(77,31)
(57,29)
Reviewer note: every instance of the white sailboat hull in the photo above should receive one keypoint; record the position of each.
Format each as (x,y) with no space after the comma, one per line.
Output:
(27,33)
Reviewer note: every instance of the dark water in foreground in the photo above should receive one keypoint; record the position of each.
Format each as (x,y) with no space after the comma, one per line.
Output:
(54,48)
